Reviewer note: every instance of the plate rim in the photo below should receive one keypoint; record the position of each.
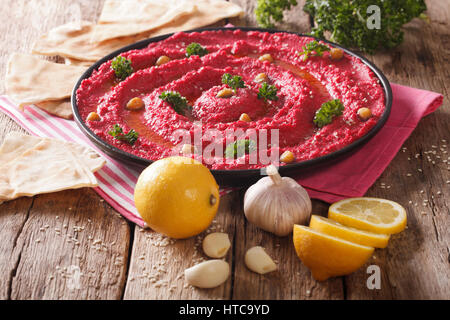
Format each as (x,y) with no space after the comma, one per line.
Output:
(129,157)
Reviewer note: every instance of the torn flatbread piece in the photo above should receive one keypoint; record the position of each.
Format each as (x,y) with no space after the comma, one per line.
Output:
(119,18)
(32,165)
(60,108)
(76,62)
(127,18)
(73,41)
(16,143)
(31,80)
(206,13)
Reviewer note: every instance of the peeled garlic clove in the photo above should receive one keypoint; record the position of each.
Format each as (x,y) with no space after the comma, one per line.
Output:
(257,260)
(208,274)
(216,245)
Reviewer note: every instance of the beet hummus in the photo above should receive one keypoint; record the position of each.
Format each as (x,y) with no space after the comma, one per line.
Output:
(262,88)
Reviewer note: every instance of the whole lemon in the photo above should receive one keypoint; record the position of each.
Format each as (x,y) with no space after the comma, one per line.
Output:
(177,196)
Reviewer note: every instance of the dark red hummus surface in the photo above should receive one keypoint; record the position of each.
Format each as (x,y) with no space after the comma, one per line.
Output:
(303,86)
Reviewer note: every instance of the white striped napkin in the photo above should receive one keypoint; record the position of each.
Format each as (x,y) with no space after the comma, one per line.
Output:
(116,181)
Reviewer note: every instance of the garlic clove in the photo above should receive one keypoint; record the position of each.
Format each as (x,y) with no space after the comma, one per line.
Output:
(257,260)
(216,244)
(208,274)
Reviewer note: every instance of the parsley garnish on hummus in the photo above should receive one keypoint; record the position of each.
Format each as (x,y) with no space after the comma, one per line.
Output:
(195,49)
(234,82)
(327,112)
(117,132)
(240,147)
(313,49)
(176,101)
(122,67)
(267,92)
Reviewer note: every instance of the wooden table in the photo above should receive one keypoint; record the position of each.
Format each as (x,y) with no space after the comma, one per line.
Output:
(73,245)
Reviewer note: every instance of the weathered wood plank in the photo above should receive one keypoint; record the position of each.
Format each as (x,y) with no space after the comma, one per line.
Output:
(71,246)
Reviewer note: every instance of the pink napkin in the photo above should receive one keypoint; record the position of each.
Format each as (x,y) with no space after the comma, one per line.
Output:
(354,175)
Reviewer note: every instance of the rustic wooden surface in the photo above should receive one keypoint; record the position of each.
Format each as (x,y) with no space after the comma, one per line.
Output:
(73,245)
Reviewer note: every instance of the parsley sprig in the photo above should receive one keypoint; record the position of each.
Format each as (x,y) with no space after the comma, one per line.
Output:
(270,11)
(240,147)
(313,49)
(234,82)
(327,112)
(347,21)
(122,67)
(117,132)
(176,101)
(267,92)
(195,49)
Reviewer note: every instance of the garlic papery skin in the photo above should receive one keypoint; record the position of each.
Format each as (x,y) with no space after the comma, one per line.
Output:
(276,203)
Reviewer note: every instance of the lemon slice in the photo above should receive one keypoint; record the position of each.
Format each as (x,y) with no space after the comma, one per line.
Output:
(327,256)
(336,229)
(370,214)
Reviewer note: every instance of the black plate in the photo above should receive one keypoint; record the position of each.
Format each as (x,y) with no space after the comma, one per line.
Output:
(234,177)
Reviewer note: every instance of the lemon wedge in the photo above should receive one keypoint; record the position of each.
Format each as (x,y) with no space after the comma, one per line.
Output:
(370,214)
(336,229)
(327,256)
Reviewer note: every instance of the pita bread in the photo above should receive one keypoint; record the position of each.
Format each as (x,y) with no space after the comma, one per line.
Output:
(126,18)
(206,13)
(73,42)
(31,80)
(32,165)
(76,62)
(16,143)
(60,108)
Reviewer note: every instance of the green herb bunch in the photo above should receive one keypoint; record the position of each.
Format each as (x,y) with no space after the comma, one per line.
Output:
(176,101)
(234,82)
(122,67)
(117,132)
(346,21)
(195,49)
(313,49)
(240,147)
(268,12)
(267,92)
(327,112)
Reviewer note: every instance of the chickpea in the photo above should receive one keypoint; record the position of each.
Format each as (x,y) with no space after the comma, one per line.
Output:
(266,57)
(162,60)
(93,116)
(364,113)
(287,157)
(245,117)
(261,77)
(135,104)
(336,54)
(225,93)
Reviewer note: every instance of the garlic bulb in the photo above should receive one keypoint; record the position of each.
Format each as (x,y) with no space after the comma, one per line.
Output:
(276,203)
